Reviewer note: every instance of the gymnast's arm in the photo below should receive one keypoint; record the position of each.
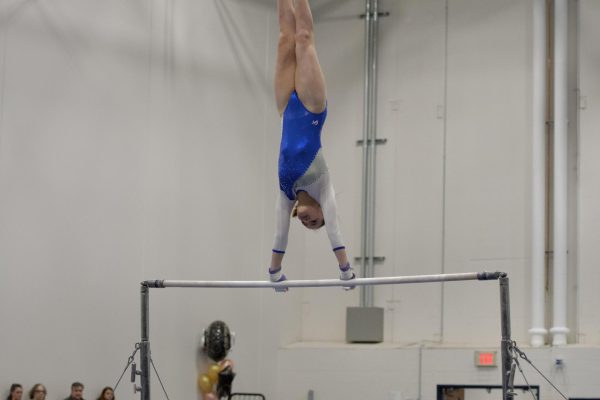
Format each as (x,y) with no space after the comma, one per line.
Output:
(329,207)
(283,210)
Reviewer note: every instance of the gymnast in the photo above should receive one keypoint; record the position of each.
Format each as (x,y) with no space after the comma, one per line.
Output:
(306,191)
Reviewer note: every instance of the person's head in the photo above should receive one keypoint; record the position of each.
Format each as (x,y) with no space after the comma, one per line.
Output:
(37,392)
(308,211)
(16,392)
(77,390)
(107,394)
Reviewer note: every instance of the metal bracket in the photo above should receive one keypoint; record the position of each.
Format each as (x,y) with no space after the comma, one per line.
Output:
(511,377)
(134,372)
(375,259)
(379,14)
(369,141)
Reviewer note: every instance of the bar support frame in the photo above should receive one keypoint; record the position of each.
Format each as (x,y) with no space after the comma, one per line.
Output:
(145,343)
(506,341)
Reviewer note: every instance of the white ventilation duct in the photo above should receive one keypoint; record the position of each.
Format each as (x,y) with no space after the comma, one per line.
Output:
(538,197)
(559,329)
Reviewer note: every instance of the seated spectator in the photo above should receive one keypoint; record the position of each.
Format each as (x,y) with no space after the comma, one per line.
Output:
(76,391)
(107,394)
(38,392)
(16,392)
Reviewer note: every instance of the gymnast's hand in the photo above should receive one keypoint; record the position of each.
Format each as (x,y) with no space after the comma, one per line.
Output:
(276,276)
(347,274)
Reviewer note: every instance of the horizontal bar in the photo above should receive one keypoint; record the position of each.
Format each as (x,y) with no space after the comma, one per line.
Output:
(391,280)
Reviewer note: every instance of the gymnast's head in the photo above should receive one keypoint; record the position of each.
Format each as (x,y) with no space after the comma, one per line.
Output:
(308,211)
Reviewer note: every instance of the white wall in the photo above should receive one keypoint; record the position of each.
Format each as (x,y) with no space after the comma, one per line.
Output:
(452,183)
(132,146)
(453,196)
(589,175)
(413,372)
(138,140)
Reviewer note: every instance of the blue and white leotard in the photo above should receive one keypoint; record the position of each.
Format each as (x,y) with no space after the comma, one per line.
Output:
(302,167)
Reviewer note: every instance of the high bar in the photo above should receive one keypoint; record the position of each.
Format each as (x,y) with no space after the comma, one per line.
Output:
(390,280)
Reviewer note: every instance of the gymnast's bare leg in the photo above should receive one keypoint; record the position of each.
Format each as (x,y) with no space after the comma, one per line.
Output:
(298,69)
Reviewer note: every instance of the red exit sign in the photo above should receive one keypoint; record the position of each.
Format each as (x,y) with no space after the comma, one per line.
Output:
(485,358)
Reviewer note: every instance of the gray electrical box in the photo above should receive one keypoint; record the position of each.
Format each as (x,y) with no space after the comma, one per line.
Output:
(364,324)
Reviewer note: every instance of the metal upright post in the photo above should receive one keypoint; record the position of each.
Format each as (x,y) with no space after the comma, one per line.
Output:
(145,344)
(368,147)
(370,296)
(506,344)
(365,154)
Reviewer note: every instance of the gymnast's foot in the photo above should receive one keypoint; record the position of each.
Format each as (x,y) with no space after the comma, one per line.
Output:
(347,274)
(276,276)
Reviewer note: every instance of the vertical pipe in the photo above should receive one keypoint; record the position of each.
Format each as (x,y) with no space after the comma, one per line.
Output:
(507,392)
(365,153)
(559,329)
(369,295)
(373,159)
(538,202)
(369,143)
(145,344)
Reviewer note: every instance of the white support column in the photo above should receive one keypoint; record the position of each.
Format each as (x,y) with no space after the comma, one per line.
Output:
(559,329)
(538,196)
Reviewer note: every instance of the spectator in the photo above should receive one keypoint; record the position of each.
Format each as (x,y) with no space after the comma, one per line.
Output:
(107,394)
(38,392)
(76,391)
(16,392)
